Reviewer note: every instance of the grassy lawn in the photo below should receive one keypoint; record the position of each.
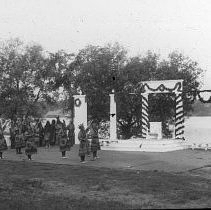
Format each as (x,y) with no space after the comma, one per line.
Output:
(28,185)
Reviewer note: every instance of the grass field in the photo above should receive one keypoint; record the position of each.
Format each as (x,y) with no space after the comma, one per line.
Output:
(29,185)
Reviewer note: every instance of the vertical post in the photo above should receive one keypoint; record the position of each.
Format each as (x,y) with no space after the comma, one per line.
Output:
(179,118)
(80,110)
(113,129)
(144,117)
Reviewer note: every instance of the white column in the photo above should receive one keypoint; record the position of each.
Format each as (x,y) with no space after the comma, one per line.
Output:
(80,111)
(113,129)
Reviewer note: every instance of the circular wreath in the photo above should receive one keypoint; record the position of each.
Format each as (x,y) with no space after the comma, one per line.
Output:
(77,102)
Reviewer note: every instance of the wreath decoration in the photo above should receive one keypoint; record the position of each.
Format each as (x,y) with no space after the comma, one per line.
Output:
(77,102)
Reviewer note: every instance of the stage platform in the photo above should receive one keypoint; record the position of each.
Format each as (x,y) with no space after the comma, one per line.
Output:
(144,145)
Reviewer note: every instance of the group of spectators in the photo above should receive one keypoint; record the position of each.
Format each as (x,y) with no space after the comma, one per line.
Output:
(29,134)
(46,135)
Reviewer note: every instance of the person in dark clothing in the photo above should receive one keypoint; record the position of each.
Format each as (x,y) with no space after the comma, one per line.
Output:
(57,130)
(47,134)
(31,147)
(58,121)
(12,134)
(95,144)
(3,144)
(53,133)
(19,140)
(64,143)
(41,133)
(71,133)
(82,145)
(36,131)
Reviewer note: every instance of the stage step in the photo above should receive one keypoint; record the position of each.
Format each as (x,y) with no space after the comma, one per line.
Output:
(150,145)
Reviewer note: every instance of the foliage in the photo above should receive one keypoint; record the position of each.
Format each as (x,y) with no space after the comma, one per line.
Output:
(96,71)
(29,78)
(101,69)
(104,130)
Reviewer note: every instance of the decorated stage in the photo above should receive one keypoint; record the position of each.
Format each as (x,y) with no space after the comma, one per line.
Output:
(144,145)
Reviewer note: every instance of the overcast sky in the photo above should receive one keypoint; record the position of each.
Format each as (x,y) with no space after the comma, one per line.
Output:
(140,25)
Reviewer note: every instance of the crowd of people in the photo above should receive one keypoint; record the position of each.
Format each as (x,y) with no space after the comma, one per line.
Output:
(31,134)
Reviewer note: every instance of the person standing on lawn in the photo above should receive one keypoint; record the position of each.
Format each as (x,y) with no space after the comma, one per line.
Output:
(71,133)
(30,143)
(64,143)
(19,140)
(53,133)
(47,134)
(58,127)
(41,133)
(83,143)
(88,145)
(95,144)
(36,133)
(3,144)
(12,134)
(58,131)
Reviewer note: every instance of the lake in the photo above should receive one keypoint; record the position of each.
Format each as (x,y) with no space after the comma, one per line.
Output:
(198,130)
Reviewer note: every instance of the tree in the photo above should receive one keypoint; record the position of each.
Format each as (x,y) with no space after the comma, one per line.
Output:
(161,106)
(31,77)
(25,78)
(98,70)
(62,66)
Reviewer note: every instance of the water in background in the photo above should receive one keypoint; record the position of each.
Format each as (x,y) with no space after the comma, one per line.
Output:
(198,130)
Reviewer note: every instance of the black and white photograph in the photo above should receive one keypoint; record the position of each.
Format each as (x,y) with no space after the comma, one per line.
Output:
(105,104)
